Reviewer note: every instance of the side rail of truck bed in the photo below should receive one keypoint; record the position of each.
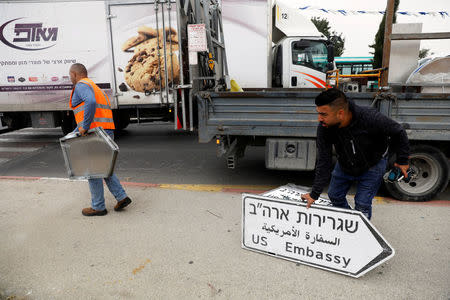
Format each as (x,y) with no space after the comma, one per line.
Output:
(285,123)
(293,114)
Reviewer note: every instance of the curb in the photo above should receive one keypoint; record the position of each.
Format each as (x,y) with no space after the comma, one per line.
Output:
(236,189)
(256,189)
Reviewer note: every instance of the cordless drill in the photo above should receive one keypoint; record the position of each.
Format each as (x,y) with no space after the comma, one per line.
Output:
(396,175)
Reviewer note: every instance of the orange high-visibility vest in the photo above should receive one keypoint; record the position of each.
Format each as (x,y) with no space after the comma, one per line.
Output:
(103,116)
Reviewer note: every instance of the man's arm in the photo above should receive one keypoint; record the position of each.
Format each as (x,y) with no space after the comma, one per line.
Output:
(323,166)
(86,94)
(399,142)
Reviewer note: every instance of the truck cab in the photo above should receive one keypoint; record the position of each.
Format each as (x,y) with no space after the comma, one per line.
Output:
(301,62)
(271,44)
(301,55)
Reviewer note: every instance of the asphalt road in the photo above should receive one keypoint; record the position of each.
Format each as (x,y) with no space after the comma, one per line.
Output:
(158,154)
(152,153)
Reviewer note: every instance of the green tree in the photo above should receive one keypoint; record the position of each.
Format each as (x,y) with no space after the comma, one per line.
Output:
(424,53)
(338,41)
(379,39)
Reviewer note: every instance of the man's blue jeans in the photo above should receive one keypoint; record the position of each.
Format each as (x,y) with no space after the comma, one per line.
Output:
(367,186)
(113,183)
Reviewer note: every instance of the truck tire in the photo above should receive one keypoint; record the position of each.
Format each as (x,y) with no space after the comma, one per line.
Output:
(16,121)
(431,175)
(121,119)
(68,123)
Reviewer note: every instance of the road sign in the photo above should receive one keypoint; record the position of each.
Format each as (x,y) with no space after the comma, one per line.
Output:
(293,192)
(330,238)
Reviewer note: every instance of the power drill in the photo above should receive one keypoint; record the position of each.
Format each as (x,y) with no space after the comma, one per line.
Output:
(396,175)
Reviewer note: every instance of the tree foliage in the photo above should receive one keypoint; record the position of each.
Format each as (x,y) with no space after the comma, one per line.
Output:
(338,41)
(379,39)
(424,53)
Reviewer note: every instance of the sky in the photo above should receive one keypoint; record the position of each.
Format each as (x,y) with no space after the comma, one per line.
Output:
(359,30)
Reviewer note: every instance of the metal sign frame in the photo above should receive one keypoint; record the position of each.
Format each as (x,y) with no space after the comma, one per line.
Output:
(100,132)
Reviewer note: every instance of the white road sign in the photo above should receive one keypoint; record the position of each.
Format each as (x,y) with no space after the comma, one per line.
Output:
(330,238)
(294,193)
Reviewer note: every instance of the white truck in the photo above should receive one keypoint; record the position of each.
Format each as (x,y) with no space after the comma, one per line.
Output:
(117,41)
(270,44)
(39,40)
(284,121)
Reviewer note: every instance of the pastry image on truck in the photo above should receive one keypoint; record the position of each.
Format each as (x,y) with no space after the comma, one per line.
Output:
(145,71)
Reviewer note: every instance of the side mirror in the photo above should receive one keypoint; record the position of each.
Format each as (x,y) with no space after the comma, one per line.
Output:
(330,49)
(330,66)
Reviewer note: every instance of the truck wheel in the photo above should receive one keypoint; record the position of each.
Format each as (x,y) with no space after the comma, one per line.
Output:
(16,121)
(68,123)
(431,175)
(121,119)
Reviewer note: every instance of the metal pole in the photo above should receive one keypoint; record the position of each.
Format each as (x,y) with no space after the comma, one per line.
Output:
(194,70)
(174,92)
(169,9)
(180,61)
(389,15)
(138,116)
(166,72)
(222,39)
(159,54)
(420,36)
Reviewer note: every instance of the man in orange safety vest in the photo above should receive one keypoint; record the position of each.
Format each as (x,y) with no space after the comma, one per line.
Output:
(91,108)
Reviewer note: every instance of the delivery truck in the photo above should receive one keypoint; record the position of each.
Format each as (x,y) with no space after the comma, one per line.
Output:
(284,121)
(140,54)
(136,51)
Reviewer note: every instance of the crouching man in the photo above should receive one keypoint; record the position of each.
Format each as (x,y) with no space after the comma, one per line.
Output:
(361,137)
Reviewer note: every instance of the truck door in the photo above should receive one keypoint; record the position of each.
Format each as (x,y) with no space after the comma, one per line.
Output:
(144,40)
(307,64)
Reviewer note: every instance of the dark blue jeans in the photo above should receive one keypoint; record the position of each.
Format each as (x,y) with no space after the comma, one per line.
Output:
(367,187)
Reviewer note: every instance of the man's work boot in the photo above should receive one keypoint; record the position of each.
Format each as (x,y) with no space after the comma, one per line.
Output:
(89,212)
(122,204)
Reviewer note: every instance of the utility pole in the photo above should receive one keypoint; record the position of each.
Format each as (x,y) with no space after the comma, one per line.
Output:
(389,15)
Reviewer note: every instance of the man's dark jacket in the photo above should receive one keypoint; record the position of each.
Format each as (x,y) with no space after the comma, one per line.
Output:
(359,146)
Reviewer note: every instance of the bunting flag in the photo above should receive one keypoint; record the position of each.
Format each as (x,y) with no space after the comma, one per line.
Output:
(346,12)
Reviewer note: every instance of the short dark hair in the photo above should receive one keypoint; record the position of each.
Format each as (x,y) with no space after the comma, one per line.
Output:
(79,69)
(334,98)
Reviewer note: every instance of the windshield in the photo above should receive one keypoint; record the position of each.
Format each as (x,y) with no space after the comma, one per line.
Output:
(311,54)
(353,68)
